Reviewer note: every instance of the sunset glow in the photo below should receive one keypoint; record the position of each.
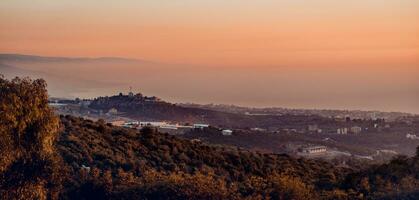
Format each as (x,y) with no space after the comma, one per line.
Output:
(216,32)
(366,39)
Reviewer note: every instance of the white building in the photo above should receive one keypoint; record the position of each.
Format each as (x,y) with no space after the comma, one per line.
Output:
(412,136)
(131,124)
(258,129)
(342,131)
(184,126)
(227,132)
(154,124)
(314,149)
(139,125)
(201,126)
(356,129)
(169,126)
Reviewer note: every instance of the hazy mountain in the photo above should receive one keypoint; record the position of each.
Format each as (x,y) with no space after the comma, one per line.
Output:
(73,77)
(331,88)
(34,58)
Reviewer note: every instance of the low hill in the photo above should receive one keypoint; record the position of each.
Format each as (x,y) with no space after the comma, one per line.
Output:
(151,108)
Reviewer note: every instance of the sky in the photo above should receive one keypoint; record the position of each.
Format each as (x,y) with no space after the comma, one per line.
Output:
(366,49)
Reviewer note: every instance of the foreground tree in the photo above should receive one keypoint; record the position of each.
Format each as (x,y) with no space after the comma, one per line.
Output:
(28,129)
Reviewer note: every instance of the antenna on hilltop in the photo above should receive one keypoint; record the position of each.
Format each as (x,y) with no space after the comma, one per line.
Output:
(130,91)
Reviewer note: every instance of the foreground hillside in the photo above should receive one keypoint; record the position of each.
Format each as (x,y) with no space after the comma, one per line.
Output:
(131,164)
(45,157)
(107,148)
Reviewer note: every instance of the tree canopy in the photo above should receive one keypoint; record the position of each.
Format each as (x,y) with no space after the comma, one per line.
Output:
(28,130)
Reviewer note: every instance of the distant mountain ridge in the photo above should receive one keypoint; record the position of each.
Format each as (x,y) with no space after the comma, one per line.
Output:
(36,58)
(72,77)
(185,82)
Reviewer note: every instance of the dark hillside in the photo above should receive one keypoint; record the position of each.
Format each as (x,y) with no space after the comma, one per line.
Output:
(115,154)
(151,108)
(115,151)
(100,145)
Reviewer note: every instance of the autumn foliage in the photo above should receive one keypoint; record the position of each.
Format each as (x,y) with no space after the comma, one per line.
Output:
(28,131)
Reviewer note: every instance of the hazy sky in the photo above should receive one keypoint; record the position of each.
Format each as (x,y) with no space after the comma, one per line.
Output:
(373,42)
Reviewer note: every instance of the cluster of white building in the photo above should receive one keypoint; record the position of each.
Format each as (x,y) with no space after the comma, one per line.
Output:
(166,127)
(163,126)
(344,131)
(412,136)
(158,124)
(227,132)
(314,149)
(356,129)
(314,128)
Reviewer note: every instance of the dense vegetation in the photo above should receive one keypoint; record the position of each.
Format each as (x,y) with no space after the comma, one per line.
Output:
(161,166)
(117,150)
(28,128)
(95,160)
(365,144)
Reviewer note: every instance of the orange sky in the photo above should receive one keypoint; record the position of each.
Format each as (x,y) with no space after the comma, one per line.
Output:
(216,32)
(366,37)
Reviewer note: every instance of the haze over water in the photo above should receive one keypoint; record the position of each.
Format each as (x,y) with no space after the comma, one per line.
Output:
(301,54)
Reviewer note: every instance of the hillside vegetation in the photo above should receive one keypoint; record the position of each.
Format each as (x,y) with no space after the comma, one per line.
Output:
(28,128)
(84,159)
(115,149)
(176,165)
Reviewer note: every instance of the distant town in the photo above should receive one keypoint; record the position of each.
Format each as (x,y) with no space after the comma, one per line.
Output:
(326,134)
